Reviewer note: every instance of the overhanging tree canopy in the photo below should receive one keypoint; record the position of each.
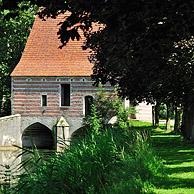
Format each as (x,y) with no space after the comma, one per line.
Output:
(142,46)
(137,45)
(13,35)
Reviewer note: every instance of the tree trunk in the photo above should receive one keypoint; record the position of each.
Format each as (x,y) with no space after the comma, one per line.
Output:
(167,116)
(157,109)
(1,103)
(177,120)
(153,116)
(187,127)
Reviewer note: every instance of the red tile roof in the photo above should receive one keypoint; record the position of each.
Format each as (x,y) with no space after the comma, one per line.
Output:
(43,57)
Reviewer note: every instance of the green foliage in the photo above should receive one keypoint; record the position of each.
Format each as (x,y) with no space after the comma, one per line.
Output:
(105,106)
(109,161)
(140,41)
(178,159)
(148,53)
(93,121)
(13,36)
(115,159)
(163,112)
(134,185)
(108,105)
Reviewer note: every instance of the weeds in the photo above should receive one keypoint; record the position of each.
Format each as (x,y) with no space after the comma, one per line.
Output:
(106,160)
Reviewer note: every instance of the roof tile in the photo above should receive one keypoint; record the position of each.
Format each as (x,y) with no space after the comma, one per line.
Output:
(43,57)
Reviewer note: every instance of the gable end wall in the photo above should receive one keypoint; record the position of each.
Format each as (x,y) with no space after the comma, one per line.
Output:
(27,92)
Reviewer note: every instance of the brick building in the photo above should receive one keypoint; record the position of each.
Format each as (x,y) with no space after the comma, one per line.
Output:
(51,84)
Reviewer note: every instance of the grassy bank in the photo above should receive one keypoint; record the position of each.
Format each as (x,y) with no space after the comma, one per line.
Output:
(115,161)
(109,161)
(178,157)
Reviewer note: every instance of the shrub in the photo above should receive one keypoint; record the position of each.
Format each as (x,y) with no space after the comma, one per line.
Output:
(106,160)
(108,105)
(130,186)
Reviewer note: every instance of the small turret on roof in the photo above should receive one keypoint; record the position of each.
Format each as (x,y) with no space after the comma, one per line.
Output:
(43,57)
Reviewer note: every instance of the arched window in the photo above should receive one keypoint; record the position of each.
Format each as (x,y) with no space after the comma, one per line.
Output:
(88,103)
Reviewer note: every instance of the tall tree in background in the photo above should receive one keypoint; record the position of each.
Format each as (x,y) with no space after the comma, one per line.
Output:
(13,36)
(141,46)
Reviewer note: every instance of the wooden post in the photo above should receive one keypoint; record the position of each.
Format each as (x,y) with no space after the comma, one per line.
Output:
(177,122)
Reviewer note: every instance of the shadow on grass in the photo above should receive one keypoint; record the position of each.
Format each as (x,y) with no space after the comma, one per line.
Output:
(172,183)
(175,152)
(173,149)
(180,170)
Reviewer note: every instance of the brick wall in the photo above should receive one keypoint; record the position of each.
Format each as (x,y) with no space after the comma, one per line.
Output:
(27,92)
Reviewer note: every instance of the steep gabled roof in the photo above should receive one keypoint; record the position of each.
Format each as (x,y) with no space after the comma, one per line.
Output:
(43,57)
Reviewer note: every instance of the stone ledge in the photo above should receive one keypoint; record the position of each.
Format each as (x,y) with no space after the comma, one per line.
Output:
(8,148)
(10,117)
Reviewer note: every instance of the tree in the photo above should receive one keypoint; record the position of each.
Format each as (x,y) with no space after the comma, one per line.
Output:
(13,35)
(138,47)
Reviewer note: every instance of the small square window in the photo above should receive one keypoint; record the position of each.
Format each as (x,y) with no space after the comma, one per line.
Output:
(44,100)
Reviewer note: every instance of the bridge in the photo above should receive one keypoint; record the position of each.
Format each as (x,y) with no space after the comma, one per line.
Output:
(43,132)
(46,131)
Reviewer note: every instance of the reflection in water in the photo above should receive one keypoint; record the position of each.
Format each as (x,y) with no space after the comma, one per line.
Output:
(9,162)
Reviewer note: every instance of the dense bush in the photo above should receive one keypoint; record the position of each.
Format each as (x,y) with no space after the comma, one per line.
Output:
(115,160)
(112,161)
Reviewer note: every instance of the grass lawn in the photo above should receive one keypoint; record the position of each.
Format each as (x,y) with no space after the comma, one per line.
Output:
(178,158)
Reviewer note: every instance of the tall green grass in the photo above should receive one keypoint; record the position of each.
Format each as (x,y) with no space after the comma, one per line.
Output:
(109,162)
(107,159)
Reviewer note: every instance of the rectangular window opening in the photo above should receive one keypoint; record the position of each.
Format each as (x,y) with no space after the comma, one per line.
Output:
(44,100)
(65,94)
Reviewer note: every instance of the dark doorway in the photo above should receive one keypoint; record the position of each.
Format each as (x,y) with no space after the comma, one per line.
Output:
(38,135)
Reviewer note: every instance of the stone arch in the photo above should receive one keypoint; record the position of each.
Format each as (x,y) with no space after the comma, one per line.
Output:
(79,133)
(39,135)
